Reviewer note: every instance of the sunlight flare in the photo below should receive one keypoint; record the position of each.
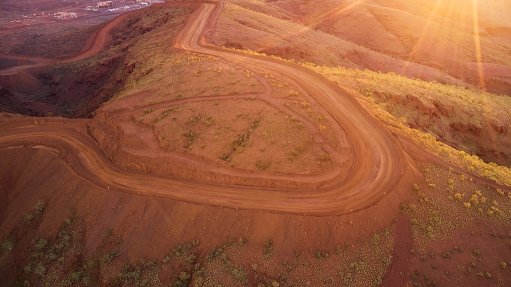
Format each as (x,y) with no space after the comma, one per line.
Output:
(339,10)
(424,32)
(334,13)
(477,44)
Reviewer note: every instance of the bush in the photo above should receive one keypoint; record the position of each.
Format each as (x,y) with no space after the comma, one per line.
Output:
(263,164)
(268,249)
(191,137)
(6,248)
(37,211)
(40,269)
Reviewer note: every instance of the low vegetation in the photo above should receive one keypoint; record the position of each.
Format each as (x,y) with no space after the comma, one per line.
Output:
(462,117)
(37,211)
(6,247)
(456,96)
(460,100)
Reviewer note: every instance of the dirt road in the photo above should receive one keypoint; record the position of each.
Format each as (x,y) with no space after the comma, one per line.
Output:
(378,164)
(95,44)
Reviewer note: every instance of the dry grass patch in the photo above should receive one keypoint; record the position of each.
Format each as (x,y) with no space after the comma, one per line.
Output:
(249,135)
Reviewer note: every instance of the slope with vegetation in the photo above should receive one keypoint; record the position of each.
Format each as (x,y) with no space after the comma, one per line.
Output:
(467,119)
(241,22)
(428,40)
(72,212)
(456,113)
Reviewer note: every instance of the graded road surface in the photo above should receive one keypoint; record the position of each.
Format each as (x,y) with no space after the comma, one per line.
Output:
(95,44)
(378,161)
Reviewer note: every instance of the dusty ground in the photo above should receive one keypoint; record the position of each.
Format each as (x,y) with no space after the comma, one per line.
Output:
(238,247)
(290,248)
(262,173)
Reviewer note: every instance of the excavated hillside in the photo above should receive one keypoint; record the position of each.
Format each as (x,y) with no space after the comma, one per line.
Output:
(172,152)
(396,40)
(75,87)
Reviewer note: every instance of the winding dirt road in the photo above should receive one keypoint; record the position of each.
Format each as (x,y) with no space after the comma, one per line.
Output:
(94,45)
(378,161)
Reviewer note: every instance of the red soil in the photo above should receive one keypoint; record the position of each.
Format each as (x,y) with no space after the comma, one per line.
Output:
(378,166)
(376,183)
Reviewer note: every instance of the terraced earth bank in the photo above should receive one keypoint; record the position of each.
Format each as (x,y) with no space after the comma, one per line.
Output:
(243,168)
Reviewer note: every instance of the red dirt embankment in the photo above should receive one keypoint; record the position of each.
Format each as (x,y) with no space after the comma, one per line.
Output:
(68,168)
(379,162)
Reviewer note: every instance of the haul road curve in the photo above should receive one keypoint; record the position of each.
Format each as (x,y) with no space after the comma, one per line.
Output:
(378,160)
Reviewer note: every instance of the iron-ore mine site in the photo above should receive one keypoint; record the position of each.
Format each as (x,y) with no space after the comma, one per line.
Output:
(255,143)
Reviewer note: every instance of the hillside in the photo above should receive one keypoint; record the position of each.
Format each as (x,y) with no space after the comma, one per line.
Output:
(467,119)
(430,41)
(257,143)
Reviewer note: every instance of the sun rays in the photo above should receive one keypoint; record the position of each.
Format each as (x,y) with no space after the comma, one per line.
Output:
(320,19)
(460,18)
(446,36)
(422,37)
(477,44)
(336,12)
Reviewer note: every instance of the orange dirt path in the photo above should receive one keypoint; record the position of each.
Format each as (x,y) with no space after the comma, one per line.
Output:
(94,45)
(378,160)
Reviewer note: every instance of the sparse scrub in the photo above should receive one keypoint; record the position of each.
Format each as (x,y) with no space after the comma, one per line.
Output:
(219,254)
(263,165)
(457,96)
(322,254)
(241,140)
(183,279)
(145,273)
(324,156)
(225,157)
(293,93)
(268,249)
(111,256)
(165,114)
(295,153)
(39,269)
(196,118)
(191,137)
(7,246)
(56,260)
(36,212)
